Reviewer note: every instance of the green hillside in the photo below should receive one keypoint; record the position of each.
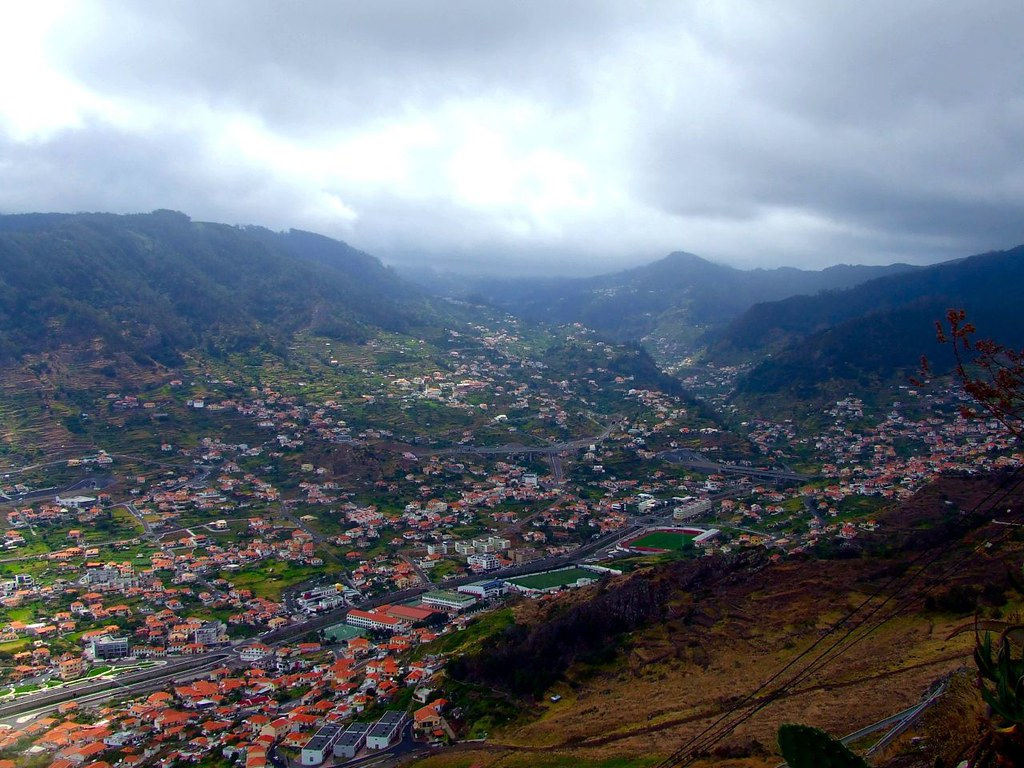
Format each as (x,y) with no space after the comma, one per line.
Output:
(154,285)
(671,303)
(822,344)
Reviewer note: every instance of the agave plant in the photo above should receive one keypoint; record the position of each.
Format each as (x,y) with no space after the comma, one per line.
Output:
(1001,682)
(805,747)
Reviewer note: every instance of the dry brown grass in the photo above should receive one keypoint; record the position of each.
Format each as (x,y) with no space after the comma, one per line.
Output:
(679,677)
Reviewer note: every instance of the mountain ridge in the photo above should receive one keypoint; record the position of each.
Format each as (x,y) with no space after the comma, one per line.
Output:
(154,285)
(679,298)
(874,329)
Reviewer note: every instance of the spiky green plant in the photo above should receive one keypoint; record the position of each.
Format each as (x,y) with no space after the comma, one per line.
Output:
(1001,681)
(805,747)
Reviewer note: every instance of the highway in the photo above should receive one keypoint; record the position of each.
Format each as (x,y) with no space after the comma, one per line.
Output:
(131,684)
(95,483)
(516,448)
(895,723)
(139,682)
(294,631)
(697,461)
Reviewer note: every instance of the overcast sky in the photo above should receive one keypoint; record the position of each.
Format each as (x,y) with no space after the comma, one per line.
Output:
(533,135)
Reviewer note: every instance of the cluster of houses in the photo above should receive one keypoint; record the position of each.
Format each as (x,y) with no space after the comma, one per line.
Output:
(296,701)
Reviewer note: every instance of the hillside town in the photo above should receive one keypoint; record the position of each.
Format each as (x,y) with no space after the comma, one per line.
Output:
(294,608)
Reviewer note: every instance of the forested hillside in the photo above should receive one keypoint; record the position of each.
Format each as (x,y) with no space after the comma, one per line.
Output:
(154,285)
(680,296)
(876,329)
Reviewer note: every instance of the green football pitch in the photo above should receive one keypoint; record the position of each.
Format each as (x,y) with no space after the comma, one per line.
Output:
(668,540)
(554,578)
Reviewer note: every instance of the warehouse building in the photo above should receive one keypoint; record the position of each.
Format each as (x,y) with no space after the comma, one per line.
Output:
(387,729)
(484,590)
(449,601)
(351,741)
(321,745)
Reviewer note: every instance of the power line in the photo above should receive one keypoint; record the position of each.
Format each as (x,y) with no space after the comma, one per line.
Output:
(821,660)
(711,738)
(716,731)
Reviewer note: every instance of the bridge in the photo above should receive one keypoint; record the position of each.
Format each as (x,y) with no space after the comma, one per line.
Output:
(514,448)
(697,461)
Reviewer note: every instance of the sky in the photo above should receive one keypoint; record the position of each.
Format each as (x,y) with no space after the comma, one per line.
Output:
(532,137)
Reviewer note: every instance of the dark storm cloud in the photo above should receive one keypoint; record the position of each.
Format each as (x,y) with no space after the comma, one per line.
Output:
(540,136)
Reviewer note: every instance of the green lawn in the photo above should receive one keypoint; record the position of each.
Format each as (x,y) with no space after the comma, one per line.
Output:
(442,569)
(24,613)
(554,578)
(270,579)
(14,645)
(480,631)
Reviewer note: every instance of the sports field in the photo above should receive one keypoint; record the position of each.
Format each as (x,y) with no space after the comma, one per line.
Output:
(667,541)
(550,579)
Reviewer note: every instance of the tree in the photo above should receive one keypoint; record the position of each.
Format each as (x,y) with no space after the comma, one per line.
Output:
(992,374)
(805,747)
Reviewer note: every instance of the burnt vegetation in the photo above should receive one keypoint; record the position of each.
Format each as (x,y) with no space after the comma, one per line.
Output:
(526,659)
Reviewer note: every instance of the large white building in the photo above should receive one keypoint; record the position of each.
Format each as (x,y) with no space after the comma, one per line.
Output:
(483,561)
(377,620)
(321,745)
(385,731)
(449,601)
(484,590)
(109,648)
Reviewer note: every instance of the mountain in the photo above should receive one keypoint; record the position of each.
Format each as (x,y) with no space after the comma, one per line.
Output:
(676,299)
(155,285)
(874,330)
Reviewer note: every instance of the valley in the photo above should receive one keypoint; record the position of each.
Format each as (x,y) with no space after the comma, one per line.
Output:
(511,539)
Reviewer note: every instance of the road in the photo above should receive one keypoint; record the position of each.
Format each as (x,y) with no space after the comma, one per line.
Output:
(895,723)
(694,460)
(147,528)
(514,448)
(130,684)
(900,722)
(557,471)
(96,483)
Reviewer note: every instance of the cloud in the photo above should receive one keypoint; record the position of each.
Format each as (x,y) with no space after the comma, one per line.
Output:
(556,136)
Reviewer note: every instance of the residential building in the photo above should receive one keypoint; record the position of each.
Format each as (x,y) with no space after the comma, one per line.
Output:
(70,666)
(352,740)
(385,731)
(210,633)
(255,652)
(321,745)
(483,561)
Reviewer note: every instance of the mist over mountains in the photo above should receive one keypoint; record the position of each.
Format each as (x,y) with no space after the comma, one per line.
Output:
(675,301)
(156,285)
